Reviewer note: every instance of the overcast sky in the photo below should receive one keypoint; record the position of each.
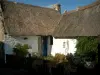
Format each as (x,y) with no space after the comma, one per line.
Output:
(66,4)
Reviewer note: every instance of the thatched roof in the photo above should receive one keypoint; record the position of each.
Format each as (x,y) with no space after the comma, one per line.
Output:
(84,21)
(23,19)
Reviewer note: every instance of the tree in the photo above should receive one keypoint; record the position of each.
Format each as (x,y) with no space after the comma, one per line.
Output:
(87,48)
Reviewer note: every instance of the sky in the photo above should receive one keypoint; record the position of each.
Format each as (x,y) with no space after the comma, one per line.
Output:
(65,4)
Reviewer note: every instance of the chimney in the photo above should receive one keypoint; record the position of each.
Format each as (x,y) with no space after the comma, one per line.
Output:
(65,11)
(57,7)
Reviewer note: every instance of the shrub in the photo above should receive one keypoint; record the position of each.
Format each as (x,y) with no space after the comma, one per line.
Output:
(50,58)
(21,50)
(60,58)
(35,54)
(87,48)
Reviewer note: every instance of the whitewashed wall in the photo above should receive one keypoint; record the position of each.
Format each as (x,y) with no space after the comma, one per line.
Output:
(59,47)
(10,42)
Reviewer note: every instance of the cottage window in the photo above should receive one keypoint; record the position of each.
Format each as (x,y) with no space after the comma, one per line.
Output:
(25,38)
(51,40)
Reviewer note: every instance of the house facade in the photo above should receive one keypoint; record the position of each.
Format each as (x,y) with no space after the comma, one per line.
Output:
(63,46)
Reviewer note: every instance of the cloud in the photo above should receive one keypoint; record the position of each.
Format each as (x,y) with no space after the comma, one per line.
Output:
(49,6)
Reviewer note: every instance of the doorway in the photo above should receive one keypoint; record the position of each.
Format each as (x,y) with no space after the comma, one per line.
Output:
(45,45)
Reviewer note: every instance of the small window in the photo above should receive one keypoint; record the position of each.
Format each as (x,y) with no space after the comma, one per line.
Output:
(51,40)
(25,38)
(64,44)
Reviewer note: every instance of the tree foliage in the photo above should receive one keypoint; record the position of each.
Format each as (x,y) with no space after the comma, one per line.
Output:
(87,47)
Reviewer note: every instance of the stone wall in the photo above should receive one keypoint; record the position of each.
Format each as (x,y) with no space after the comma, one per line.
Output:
(1,25)
(2,57)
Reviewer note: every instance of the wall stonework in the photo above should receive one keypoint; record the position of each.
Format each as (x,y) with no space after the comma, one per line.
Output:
(2,57)
(1,25)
